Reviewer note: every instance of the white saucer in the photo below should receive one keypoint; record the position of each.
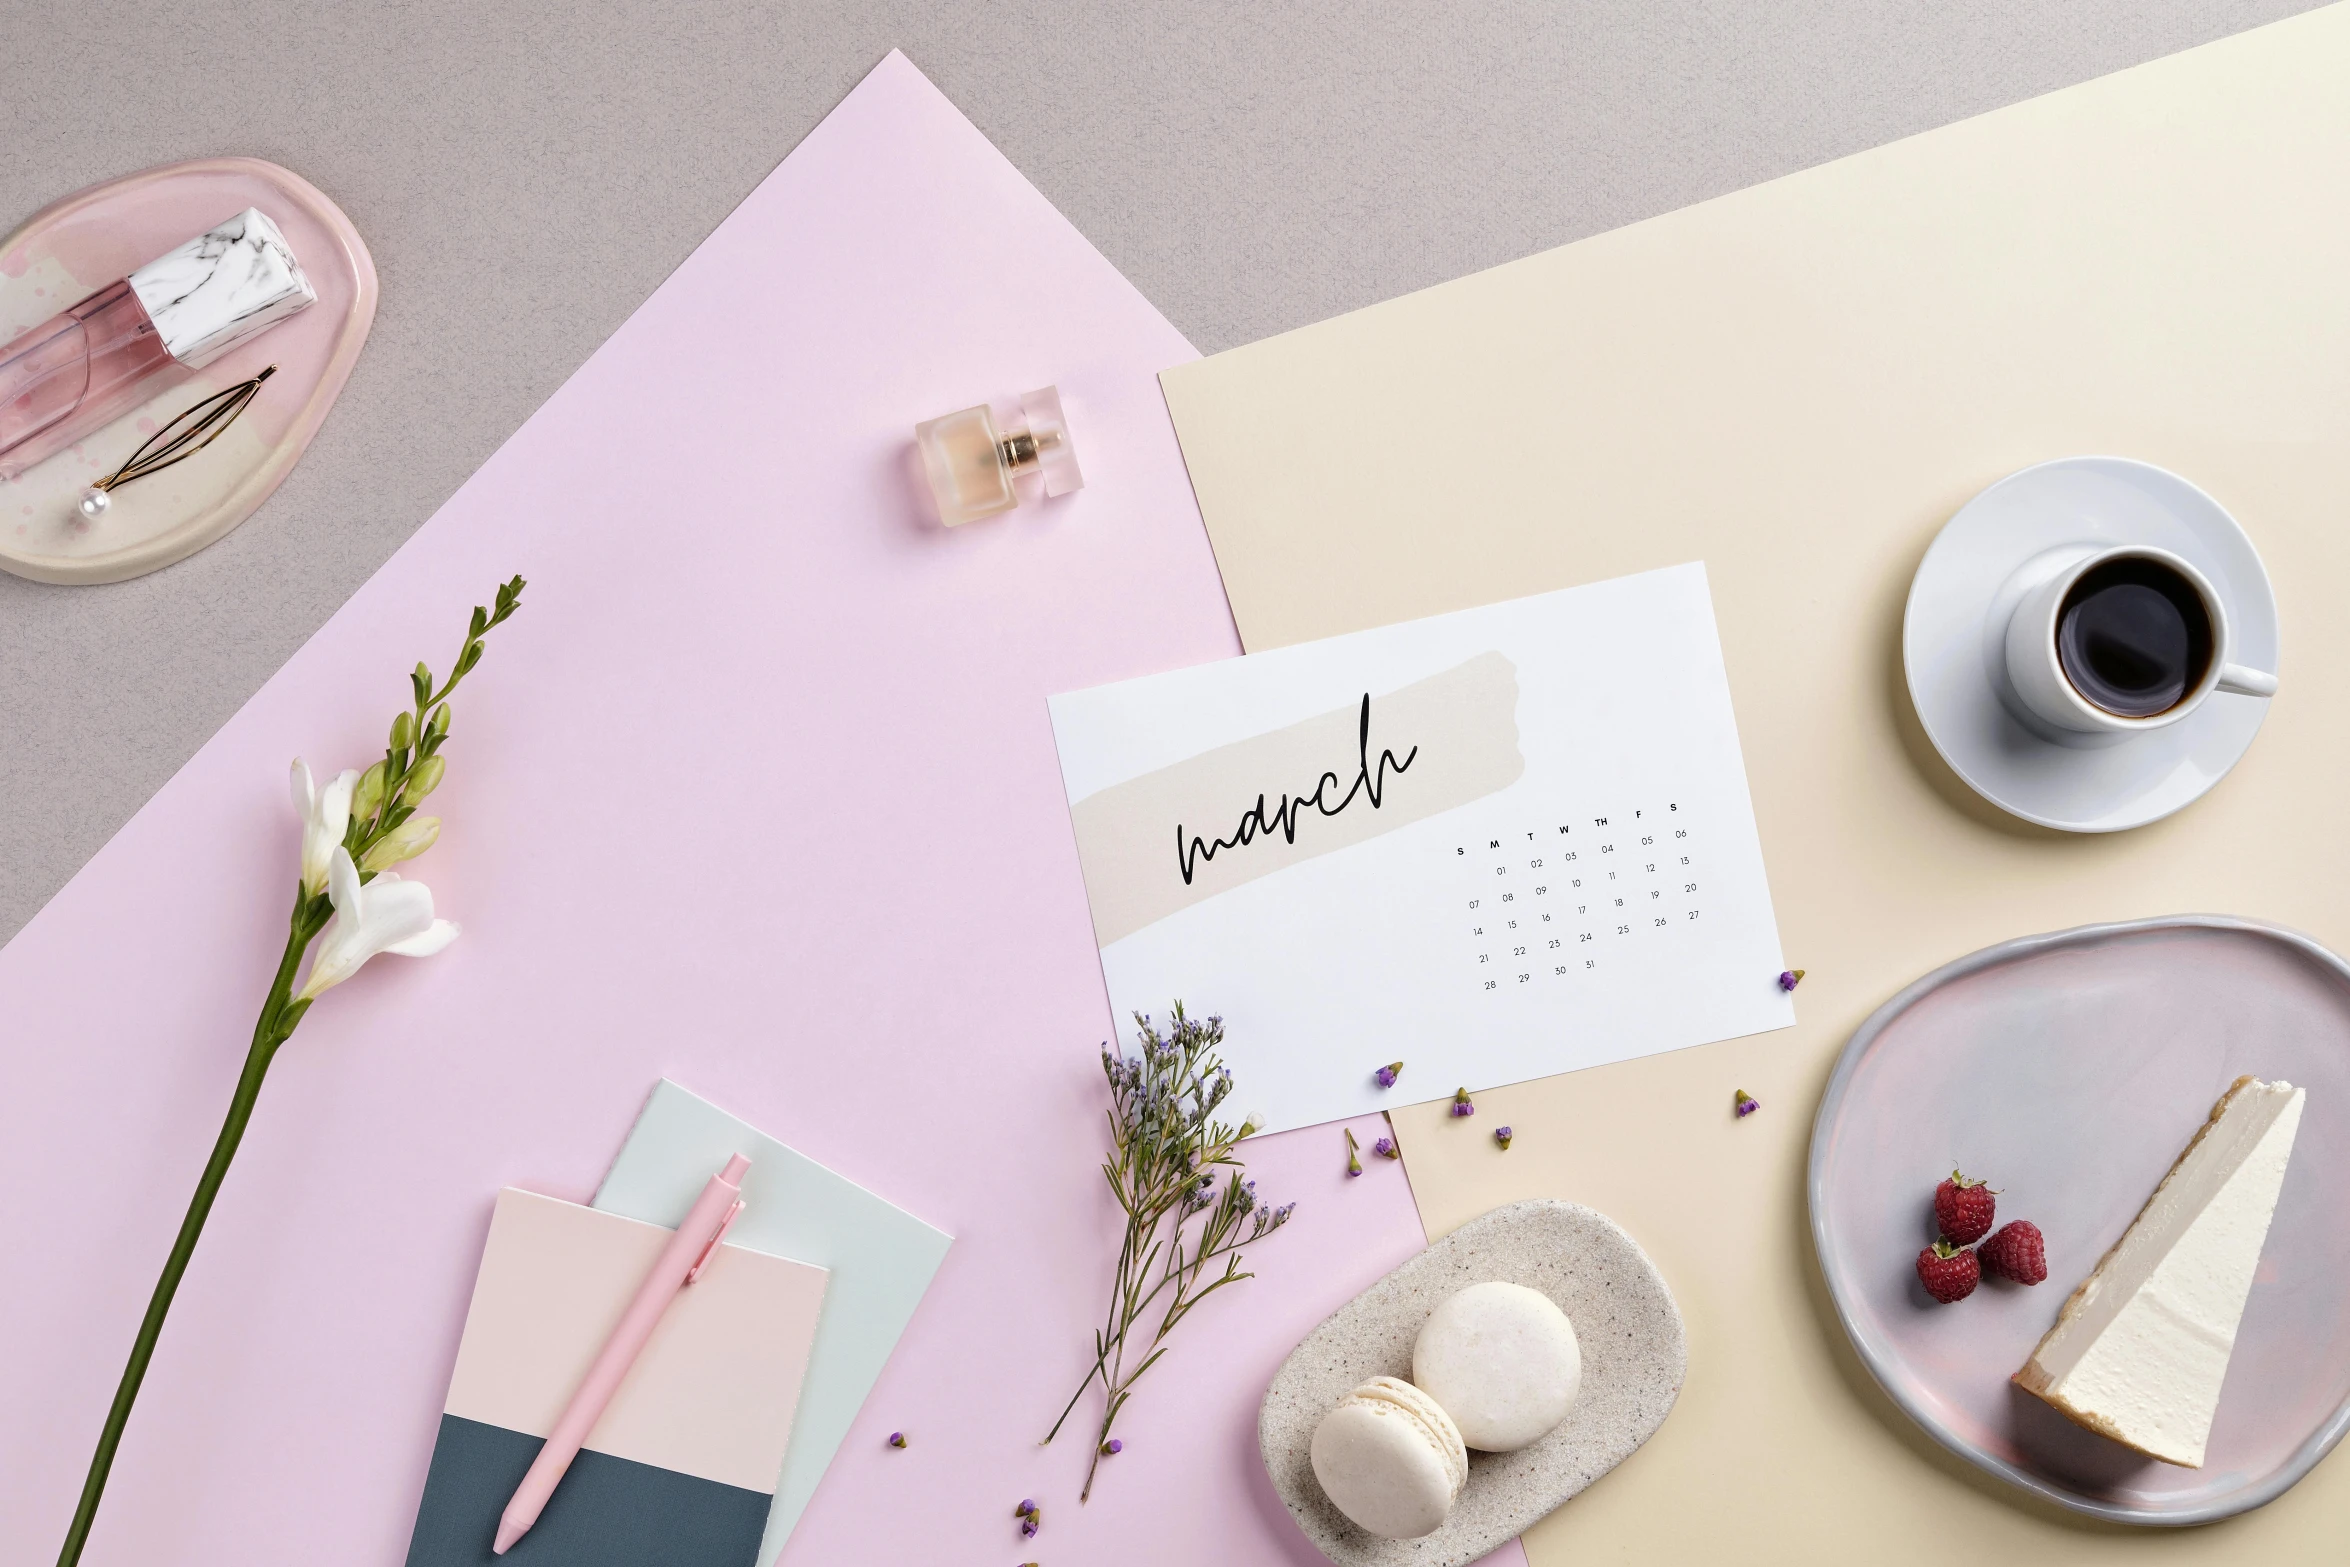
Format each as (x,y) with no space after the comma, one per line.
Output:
(1951,631)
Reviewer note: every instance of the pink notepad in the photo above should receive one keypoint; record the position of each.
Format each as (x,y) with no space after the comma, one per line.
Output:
(682,1466)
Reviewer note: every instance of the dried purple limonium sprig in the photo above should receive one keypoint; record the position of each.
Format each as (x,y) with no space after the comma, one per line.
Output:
(1501,1135)
(1170,1163)
(1385,1077)
(1790,978)
(1745,1104)
(1354,1165)
(1461,1104)
(1385,1148)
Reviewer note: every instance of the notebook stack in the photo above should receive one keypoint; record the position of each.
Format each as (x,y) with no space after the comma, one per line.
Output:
(716,1439)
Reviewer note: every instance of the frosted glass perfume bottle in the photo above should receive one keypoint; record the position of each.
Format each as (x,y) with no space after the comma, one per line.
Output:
(971,466)
(98,358)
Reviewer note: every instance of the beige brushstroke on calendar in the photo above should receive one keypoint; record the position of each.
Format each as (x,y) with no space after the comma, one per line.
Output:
(1175,837)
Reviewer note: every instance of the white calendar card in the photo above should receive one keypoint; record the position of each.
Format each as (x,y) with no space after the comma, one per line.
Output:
(1494,845)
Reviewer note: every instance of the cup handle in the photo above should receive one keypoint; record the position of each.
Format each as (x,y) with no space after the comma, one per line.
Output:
(2246,682)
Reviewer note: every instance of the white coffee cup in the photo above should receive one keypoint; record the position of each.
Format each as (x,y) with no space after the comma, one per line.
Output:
(2035,668)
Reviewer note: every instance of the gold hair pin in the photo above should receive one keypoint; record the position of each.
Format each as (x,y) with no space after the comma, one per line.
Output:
(184,437)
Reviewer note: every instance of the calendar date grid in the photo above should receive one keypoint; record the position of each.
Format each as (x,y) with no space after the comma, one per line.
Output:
(1555,901)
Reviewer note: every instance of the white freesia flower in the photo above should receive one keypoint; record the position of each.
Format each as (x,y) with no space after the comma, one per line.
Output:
(325,814)
(386,915)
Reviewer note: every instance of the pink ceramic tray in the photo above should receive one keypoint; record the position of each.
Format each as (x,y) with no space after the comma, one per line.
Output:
(2069,1070)
(89,239)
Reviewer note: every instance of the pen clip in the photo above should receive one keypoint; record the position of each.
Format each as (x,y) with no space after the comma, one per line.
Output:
(711,1250)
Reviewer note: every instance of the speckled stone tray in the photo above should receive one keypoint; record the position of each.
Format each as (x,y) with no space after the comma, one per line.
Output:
(1634,1357)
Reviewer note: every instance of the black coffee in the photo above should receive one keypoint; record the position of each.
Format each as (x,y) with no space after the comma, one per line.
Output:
(2133,637)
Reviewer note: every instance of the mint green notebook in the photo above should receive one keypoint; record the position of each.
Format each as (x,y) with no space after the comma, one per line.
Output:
(882,1258)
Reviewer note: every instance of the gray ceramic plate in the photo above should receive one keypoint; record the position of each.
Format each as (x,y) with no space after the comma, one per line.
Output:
(2069,1070)
(1634,1356)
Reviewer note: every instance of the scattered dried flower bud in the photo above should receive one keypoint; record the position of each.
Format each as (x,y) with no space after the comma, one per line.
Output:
(1460,1103)
(1354,1166)
(1745,1103)
(1790,978)
(897,1439)
(1501,1135)
(1385,1148)
(1027,1506)
(1386,1075)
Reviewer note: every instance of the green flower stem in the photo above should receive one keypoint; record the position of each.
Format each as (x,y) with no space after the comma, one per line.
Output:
(1128,1303)
(280,1014)
(417,739)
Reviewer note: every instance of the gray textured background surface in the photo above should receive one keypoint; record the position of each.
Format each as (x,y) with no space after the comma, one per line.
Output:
(527,172)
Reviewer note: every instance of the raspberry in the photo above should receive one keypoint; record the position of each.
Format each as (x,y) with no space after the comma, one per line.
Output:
(1948,1273)
(1964,1209)
(2017,1252)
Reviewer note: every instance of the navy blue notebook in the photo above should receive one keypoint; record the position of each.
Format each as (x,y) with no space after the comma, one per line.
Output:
(612,1510)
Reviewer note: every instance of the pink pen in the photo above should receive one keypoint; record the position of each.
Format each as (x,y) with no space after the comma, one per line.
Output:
(681,1262)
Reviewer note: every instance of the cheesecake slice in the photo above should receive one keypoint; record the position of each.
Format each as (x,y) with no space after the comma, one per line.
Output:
(2140,1350)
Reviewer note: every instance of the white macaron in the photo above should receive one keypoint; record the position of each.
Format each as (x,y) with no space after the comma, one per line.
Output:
(1503,1361)
(1390,1459)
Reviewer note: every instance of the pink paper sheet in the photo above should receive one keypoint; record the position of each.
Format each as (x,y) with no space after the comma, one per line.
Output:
(758,791)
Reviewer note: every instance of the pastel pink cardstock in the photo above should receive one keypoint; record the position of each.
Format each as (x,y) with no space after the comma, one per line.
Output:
(758,789)
(712,1392)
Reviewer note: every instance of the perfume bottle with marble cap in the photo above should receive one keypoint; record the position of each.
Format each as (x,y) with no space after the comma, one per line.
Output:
(971,465)
(97,359)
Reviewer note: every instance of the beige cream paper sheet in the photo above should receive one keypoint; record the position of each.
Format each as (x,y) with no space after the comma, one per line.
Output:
(1799,384)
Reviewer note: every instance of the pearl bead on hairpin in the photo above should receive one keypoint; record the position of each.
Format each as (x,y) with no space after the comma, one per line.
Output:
(183,437)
